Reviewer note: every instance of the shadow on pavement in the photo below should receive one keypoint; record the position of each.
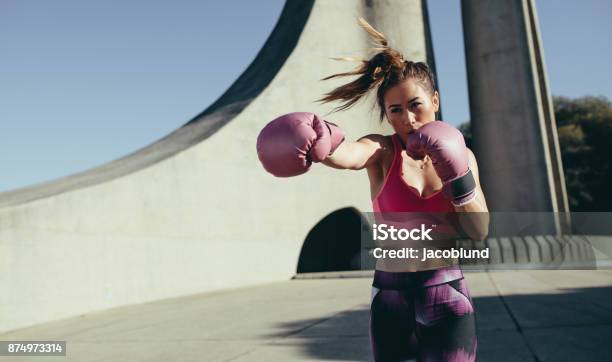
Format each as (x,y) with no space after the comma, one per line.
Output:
(574,325)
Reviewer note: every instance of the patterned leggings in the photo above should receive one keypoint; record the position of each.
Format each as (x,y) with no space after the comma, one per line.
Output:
(420,321)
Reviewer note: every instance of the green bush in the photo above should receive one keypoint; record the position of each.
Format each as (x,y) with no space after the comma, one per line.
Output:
(585,137)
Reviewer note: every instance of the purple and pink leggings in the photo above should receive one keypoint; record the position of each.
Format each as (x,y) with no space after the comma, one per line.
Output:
(424,316)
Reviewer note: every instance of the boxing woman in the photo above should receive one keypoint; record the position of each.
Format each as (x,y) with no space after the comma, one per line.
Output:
(425,311)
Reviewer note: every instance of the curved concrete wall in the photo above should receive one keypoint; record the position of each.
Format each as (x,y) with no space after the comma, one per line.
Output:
(195,212)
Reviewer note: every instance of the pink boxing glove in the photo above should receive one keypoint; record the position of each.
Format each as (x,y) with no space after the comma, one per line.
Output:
(445,145)
(288,145)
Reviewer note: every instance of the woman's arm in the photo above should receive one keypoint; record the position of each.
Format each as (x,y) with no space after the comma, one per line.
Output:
(474,216)
(364,153)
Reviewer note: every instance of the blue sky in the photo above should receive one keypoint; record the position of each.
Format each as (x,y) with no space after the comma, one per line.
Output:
(85,82)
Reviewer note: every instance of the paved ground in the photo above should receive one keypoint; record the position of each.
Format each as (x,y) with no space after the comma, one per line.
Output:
(522,316)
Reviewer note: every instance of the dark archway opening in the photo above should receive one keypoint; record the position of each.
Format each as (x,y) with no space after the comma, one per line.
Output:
(334,243)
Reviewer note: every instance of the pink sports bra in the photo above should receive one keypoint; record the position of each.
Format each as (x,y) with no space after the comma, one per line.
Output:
(397,196)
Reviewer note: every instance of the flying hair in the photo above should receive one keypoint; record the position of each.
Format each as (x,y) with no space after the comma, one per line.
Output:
(382,71)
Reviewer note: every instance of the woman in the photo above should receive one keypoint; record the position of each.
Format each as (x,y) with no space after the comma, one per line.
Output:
(423,311)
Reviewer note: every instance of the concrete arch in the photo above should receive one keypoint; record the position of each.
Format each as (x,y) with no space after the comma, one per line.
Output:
(334,243)
(195,211)
(266,65)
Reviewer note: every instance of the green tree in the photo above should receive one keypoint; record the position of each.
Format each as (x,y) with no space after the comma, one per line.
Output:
(585,137)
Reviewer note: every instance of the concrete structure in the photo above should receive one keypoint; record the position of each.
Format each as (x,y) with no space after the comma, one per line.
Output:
(195,212)
(513,123)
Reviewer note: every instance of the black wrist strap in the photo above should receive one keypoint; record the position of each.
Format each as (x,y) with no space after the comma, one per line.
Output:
(463,185)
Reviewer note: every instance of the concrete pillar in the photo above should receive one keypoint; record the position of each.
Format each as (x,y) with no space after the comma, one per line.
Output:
(513,123)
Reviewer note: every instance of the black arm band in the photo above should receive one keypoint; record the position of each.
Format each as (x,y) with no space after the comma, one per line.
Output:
(463,185)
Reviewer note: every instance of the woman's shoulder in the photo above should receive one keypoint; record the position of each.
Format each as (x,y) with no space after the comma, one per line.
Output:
(385,142)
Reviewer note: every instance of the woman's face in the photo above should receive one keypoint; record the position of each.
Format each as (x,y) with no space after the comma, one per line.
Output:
(409,106)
